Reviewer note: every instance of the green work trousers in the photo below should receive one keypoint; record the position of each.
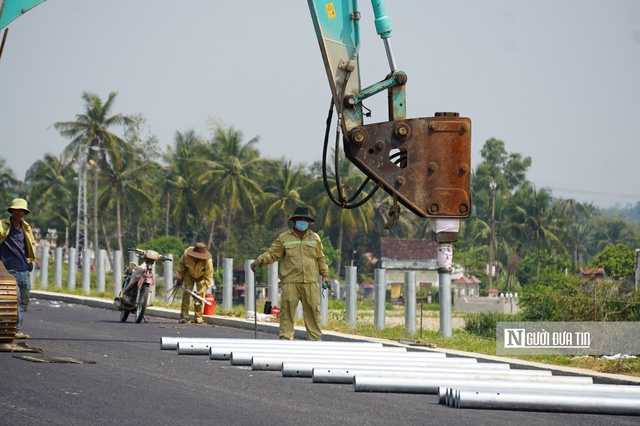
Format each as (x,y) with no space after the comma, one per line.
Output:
(309,295)
(200,288)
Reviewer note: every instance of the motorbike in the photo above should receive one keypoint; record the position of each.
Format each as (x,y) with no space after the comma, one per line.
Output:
(136,286)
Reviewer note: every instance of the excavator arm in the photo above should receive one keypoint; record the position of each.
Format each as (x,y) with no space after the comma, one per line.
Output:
(425,163)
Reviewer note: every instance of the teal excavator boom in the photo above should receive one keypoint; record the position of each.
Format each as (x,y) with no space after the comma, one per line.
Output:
(424,163)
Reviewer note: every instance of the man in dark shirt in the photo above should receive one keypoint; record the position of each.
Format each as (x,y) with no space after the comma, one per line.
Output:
(17,253)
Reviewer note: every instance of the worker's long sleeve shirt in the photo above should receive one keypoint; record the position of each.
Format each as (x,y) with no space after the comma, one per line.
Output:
(302,260)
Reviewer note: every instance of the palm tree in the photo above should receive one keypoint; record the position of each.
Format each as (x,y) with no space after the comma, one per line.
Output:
(534,219)
(579,232)
(91,131)
(283,193)
(230,171)
(52,187)
(348,220)
(613,231)
(7,182)
(125,186)
(181,178)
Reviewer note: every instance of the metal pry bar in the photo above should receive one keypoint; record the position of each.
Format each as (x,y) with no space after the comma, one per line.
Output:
(194,294)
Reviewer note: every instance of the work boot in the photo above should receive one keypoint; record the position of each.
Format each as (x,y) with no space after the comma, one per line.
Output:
(183,321)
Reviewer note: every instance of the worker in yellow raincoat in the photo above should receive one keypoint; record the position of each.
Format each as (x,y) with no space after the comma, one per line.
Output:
(302,261)
(195,269)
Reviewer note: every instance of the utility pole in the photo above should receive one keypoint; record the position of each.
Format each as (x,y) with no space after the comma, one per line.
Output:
(81,220)
(492,188)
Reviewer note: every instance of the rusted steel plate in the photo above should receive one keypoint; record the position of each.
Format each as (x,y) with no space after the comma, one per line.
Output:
(426,162)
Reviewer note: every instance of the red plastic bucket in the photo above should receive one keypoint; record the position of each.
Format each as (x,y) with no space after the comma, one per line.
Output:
(275,311)
(209,309)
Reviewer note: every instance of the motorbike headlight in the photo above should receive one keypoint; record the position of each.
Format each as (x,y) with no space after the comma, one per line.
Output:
(152,255)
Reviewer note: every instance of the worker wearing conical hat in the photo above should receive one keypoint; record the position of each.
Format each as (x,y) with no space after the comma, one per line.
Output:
(195,269)
(17,253)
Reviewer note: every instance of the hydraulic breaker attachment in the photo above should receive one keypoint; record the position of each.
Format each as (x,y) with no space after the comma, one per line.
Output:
(425,162)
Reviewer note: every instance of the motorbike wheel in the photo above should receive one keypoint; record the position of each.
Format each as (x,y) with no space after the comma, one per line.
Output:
(142,304)
(124,314)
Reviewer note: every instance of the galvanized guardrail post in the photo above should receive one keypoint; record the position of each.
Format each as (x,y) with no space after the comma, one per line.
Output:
(352,295)
(249,288)
(57,271)
(324,303)
(72,268)
(100,269)
(86,271)
(117,272)
(380,296)
(152,297)
(44,266)
(227,284)
(168,277)
(410,303)
(273,284)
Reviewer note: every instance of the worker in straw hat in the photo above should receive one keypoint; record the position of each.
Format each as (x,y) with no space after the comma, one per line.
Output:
(17,253)
(195,269)
(302,261)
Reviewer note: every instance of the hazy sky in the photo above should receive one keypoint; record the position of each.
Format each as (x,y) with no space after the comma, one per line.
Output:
(556,80)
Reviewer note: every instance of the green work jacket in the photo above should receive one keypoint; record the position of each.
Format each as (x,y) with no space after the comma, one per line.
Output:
(29,240)
(302,259)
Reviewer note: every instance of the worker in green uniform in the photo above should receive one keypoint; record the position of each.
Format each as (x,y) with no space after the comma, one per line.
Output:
(195,269)
(302,262)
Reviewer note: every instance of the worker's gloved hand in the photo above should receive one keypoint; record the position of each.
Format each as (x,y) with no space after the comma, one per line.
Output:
(255,264)
(179,282)
(325,282)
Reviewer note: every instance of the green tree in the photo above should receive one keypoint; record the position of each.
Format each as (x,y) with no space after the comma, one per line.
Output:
(181,178)
(125,188)
(614,230)
(507,170)
(230,173)
(8,183)
(348,221)
(92,131)
(52,187)
(534,219)
(282,193)
(618,261)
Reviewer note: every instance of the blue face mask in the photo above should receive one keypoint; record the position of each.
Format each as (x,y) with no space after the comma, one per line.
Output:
(302,225)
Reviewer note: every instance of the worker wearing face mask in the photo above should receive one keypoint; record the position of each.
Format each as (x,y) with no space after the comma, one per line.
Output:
(302,260)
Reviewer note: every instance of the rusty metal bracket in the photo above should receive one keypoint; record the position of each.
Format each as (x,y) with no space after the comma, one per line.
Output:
(426,162)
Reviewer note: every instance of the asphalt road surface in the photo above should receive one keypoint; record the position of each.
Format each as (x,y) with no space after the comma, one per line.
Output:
(133,382)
